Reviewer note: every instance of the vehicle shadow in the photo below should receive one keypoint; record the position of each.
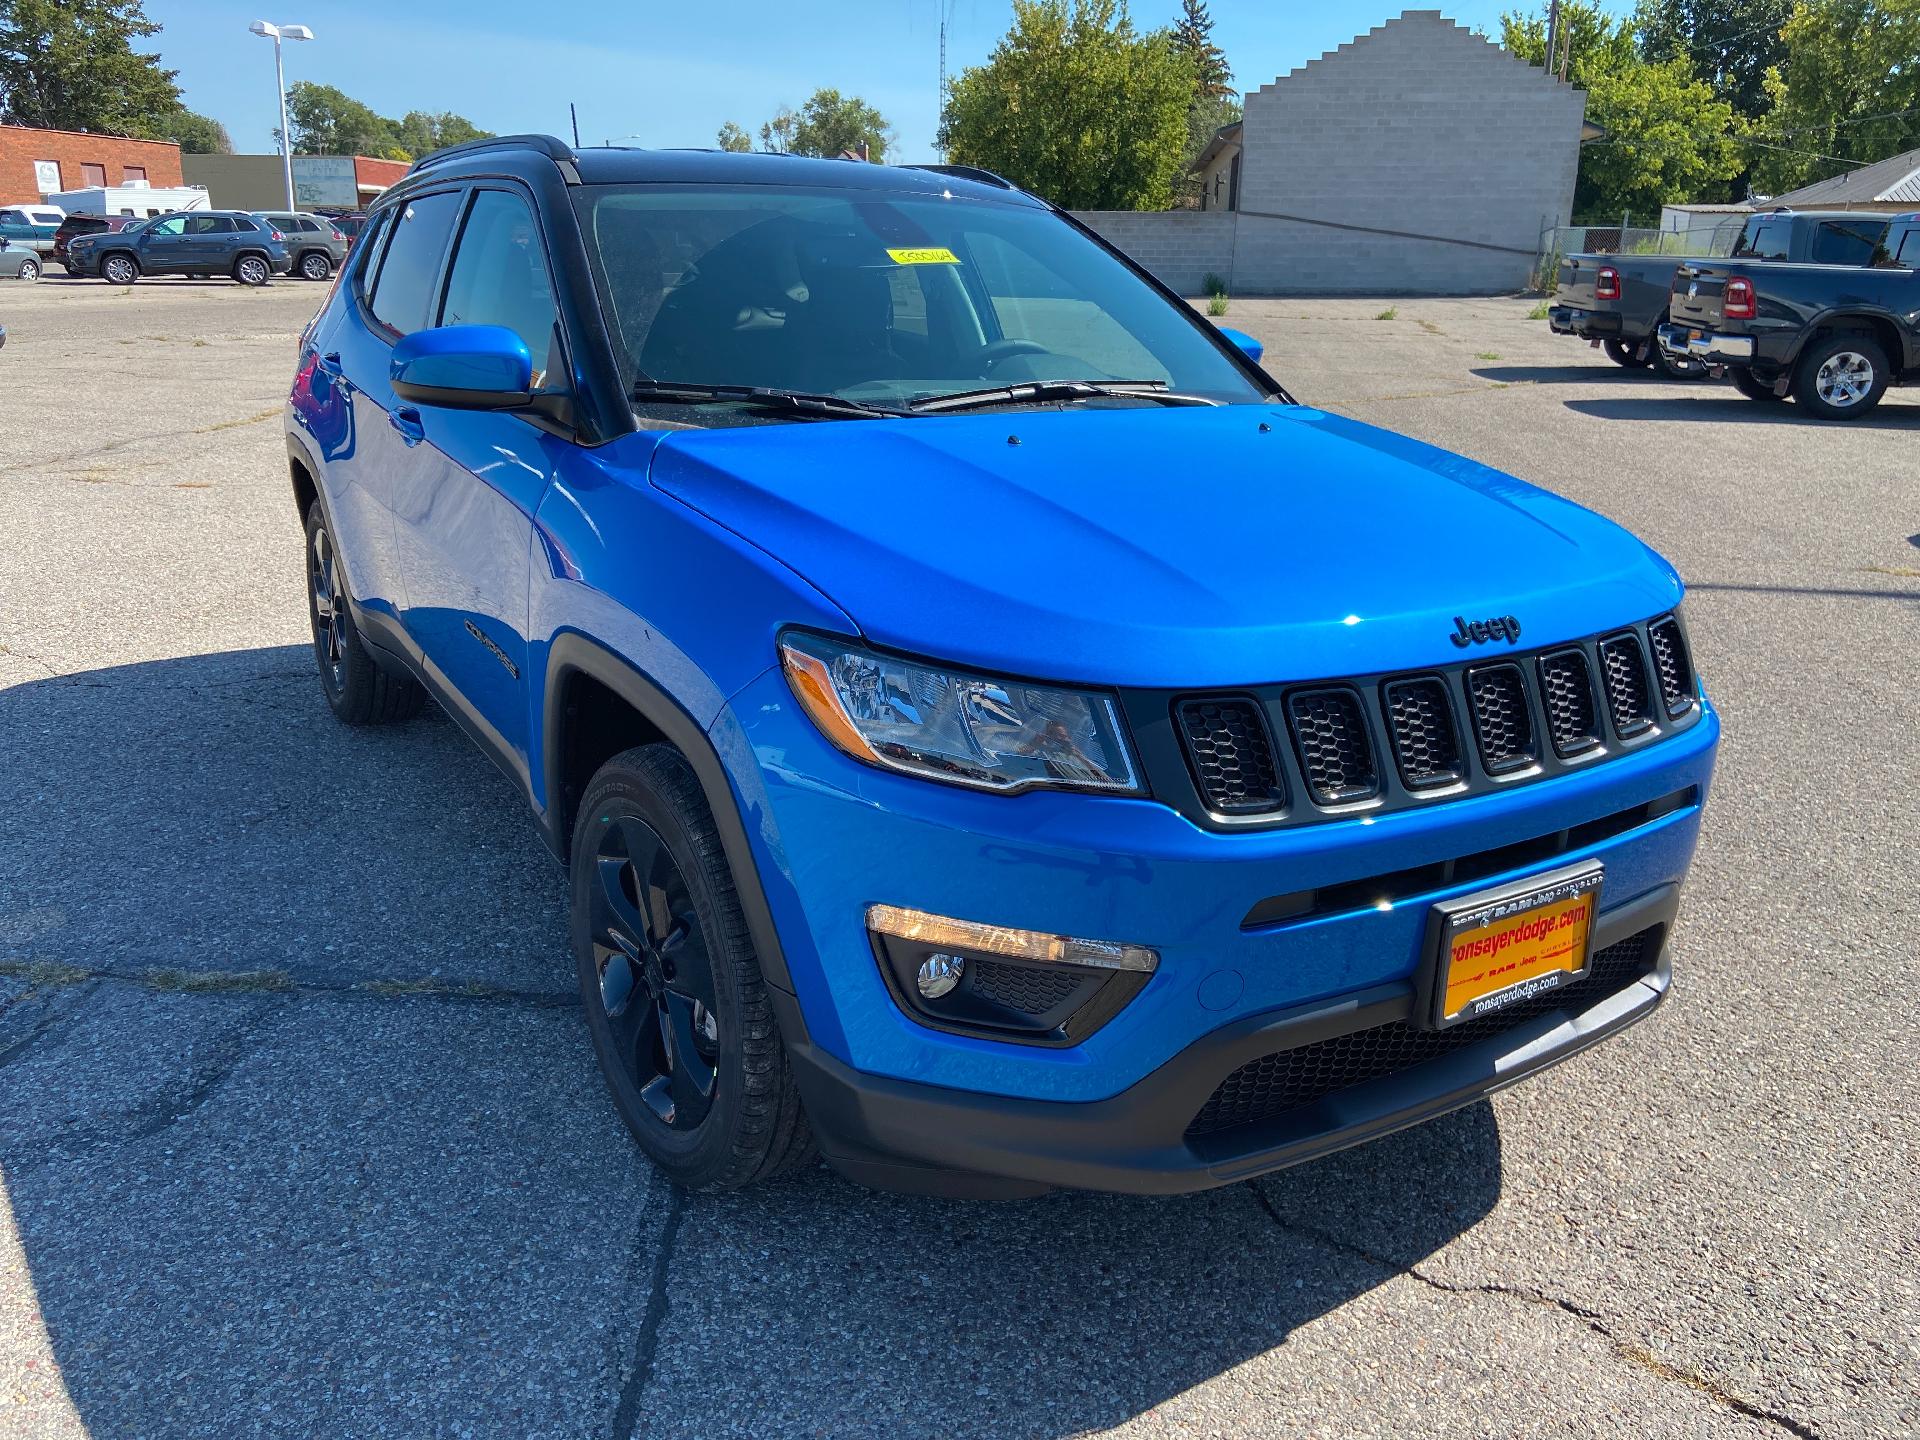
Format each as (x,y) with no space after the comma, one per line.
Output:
(1600,370)
(1729,407)
(300,1133)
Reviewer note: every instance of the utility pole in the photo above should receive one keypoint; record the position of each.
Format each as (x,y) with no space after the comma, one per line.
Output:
(946,12)
(1553,33)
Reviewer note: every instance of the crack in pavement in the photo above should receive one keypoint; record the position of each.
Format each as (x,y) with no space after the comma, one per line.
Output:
(1633,1354)
(646,1344)
(280,982)
(53,1015)
(169,1108)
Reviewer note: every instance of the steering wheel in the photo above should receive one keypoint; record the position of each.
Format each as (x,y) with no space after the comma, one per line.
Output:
(993,352)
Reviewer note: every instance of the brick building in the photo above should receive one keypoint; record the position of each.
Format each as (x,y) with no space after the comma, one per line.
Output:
(36,163)
(1419,158)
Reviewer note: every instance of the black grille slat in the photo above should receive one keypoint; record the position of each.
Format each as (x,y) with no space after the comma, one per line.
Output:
(1269,1087)
(1336,755)
(1625,670)
(1232,756)
(1566,692)
(1031,989)
(1502,720)
(1420,723)
(1672,665)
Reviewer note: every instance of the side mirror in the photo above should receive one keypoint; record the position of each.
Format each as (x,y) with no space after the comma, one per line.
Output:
(1244,343)
(464,367)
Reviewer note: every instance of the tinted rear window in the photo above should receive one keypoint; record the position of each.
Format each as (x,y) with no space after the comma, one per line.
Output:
(1764,240)
(1848,242)
(403,293)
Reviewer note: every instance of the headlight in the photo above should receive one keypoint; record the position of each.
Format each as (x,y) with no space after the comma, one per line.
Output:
(966,729)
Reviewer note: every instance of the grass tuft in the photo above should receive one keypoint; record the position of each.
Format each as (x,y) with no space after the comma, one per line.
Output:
(1392,312)
(1217,305)
(1538,312)
(1486,355)
(206,982)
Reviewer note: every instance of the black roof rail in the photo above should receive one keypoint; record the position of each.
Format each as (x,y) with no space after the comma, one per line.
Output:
(968,172)
(555,150)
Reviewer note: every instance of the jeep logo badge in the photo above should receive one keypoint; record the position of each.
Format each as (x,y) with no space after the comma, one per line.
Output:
(1479,632)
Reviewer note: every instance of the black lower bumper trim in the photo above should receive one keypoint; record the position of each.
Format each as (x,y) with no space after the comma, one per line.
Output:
(1588,324)
(899,1135)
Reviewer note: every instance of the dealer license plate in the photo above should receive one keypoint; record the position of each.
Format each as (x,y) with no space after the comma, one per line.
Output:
(1503,946)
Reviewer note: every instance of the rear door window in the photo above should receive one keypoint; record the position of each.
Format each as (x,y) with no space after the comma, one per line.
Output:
(1847,242)
(409,278)
(1764,240)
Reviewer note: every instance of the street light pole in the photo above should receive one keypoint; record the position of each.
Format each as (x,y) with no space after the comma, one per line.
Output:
(277,33)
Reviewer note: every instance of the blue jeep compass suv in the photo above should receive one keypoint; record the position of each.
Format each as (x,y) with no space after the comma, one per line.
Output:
(999,739)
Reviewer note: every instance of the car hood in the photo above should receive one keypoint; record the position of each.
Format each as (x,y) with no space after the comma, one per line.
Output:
(1156,546)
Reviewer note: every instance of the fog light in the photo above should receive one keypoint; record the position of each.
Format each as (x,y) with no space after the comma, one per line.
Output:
(938,974)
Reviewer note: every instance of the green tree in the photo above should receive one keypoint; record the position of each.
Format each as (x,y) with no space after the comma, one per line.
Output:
(420,132)
(1193,37)
(195,134)
(1731,44)
(777,134)
(1076,105)
(327,121)
(1668,138)
(1848,87)
(830,123)
(71,65)
(732,137)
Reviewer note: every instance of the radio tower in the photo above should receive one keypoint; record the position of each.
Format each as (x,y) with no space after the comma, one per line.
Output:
(940,110)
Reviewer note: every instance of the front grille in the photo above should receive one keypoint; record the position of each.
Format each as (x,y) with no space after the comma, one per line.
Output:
(1265,1089)
(1231,755)
(1420,720)
(1566,689)
(1671,664)
(1284,755)
(1502,722)
(1626,673)
(1030,989)
(1330,732)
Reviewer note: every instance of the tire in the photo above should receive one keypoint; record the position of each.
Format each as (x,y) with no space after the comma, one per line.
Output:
(316,265)
(29,270)
(358,691)
(1752,386)
(1621,352)
(1842,377)
(672,990)
(1672,369)
(252,270)
(119,269)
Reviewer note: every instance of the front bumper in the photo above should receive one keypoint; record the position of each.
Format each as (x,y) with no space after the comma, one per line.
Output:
(898,1135)
(1714,347)
(1588,324)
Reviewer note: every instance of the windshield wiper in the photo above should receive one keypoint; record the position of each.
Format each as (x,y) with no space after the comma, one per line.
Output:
(1024,391)
(799,402)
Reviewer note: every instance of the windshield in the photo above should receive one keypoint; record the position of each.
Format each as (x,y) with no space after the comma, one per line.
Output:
(879,298)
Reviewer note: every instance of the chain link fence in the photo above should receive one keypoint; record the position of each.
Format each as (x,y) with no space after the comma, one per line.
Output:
(1558,241)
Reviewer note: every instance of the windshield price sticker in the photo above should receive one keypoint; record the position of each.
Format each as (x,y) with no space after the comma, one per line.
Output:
(926,255)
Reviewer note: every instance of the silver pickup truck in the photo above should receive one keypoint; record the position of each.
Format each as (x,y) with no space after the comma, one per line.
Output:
(1619,302)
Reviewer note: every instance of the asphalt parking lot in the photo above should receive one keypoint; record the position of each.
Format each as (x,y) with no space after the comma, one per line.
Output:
(301,1134)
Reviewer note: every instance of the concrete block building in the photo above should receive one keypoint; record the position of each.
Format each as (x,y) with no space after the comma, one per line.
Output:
(1419,158)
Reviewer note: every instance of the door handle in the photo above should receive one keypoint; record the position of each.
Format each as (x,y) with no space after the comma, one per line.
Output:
(407,421)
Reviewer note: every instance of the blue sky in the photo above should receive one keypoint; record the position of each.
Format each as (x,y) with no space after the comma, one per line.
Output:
(666,73)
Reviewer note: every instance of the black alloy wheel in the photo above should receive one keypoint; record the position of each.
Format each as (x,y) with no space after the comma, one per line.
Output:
(119,270)
(252,270)
(670,983)
(655,978)
(327,594)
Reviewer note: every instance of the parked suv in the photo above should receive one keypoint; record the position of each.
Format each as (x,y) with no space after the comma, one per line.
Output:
(187,242)
(997,736)
(315,243)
